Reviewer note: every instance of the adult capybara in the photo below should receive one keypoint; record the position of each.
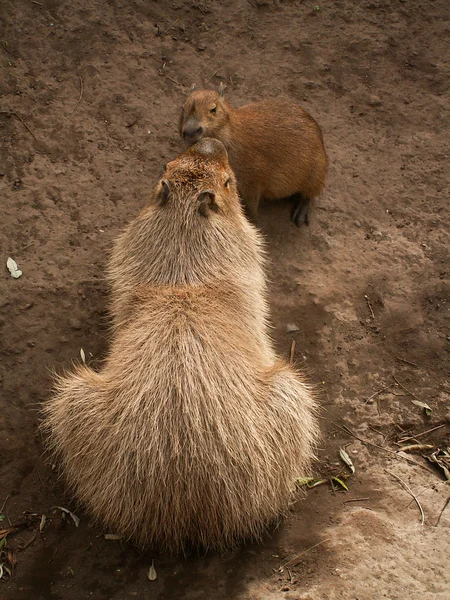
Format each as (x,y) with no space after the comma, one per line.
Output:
(274,147)
(193,431)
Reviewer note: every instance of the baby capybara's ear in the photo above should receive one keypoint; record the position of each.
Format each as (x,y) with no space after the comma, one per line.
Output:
(221,89)
(207,203)
(163,192)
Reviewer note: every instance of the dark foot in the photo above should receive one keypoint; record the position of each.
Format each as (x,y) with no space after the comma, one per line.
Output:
(301,211)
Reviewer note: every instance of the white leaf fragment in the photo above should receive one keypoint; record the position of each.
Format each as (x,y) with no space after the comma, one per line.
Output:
(13,268)
(347,460)
(75,519)
(83,355)
(113,536)
(152,573)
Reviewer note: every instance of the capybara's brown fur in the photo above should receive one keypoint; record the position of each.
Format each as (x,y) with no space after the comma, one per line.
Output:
(193,431)
(274,147)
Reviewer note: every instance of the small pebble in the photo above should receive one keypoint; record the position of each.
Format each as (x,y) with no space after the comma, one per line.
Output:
(374,101)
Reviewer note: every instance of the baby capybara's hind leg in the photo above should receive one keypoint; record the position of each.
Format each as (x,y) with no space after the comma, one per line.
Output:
(301,210)
(294,420)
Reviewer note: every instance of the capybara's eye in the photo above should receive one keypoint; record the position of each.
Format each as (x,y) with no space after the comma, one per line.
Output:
(213,110)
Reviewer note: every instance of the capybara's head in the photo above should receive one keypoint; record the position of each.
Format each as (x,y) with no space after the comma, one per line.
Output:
(199,185)
(204,114)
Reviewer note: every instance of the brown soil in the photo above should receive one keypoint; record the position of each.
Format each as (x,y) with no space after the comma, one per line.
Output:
(96,89)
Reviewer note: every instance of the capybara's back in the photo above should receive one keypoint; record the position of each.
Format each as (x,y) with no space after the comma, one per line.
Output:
(192,433)
(275,147)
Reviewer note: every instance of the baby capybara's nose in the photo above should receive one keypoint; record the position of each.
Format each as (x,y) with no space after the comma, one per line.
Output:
(192,133)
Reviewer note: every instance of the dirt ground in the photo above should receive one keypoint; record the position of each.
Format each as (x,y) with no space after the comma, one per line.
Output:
(90,94)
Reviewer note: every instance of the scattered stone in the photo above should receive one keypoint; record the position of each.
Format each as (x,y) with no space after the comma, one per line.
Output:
(292,327)
(374,101)
(75,323)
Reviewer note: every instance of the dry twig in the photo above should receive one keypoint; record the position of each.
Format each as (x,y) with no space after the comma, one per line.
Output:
(291,353)
(81,94)
(174,81)
(297,556)
(4,504)
(447,502)
(377,393)
(13,112)
(408,489)
(370,306)
(355,500)
(5,47)
(413,437)
(159,34)
(408,362)
(406,389)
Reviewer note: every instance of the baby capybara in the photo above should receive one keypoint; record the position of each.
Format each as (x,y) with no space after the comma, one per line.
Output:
(274,147)
(193,431)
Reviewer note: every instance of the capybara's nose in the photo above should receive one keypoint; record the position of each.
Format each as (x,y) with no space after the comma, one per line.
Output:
(192,134)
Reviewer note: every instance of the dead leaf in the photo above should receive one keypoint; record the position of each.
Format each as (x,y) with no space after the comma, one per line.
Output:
(347,460)
(42,523)
(13,268)
(423,405)
(83,355)
(340,482)
(75,519)
(441,458)
(152,573)
(113,536)
(12,558)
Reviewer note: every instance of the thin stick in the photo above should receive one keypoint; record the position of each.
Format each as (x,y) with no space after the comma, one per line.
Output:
(81,94)
(7,49)
(355,500)
(408,489)
(406,389)
(30,541)
(411,501)
(4,503)
(301,554)
(370,306)
(13,112)
(408,362)
(391,452)
(291,353)
(173,80)
(413,437)
(378,392)
(53,556)
(447,502)
(215,73)
(38,3)
(169,28)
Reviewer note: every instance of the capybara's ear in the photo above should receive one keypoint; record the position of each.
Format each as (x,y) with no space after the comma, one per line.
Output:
(163,192)
(221,89)
(192,87)
(207,203)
